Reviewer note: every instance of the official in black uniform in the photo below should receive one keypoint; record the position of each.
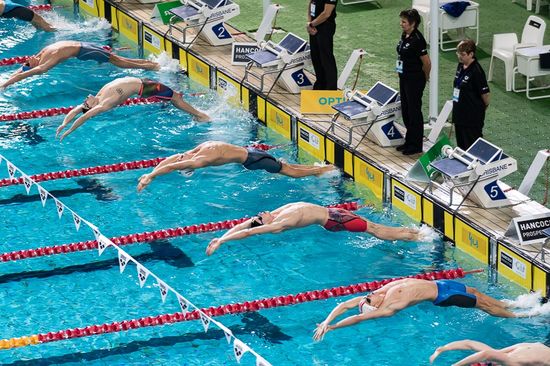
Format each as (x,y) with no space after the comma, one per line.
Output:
(413,67)
(321,26)
(470,96)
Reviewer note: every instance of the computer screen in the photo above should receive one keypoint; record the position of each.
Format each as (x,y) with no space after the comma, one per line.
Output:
(381,93)
(292,43)
(485,151)
(212,4)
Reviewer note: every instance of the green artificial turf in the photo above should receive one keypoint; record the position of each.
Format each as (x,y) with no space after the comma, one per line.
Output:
(520,126)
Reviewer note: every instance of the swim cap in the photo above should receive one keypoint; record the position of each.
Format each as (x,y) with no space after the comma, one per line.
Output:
(364,307)
(25,67)
(187,172)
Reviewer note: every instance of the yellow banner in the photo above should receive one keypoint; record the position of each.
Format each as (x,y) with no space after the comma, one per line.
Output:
(320,101)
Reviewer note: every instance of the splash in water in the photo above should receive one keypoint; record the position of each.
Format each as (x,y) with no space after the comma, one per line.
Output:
(428,234)
(167,64)
(530,302)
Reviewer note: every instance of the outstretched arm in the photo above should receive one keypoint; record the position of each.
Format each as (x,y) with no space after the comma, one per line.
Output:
(460,345)
(274,227)
(325,326)
(20,75)
(100,108)
(488,355)
(68,118)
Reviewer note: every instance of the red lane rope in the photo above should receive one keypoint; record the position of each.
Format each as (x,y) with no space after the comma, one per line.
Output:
(255,305)
(102,169)
(138,238)
(13,60)
(40,7)
(64,110)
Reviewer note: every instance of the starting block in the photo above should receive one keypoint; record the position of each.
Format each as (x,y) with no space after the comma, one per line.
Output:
(285,59)
(209,16)
(377,110)
(476,172)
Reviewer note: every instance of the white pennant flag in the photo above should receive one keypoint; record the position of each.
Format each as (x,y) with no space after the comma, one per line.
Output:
(163,289)
(43,195)
(205,320)
(28,183)
(228,335)
(102,243)
(122,260)
(239,348)
(59,207)
(77,221)
(96,231)
(262,362)
(183,304)
(143,273)
(11,169)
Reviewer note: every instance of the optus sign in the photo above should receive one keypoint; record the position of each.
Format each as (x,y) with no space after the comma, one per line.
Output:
(320,101)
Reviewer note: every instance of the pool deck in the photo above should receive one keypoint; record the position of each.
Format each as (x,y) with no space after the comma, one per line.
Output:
(477,231)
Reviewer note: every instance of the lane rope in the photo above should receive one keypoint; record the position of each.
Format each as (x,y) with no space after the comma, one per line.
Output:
(102,169)
(41,7)
(50,112)
(235,308)
(143,273)
(143,237)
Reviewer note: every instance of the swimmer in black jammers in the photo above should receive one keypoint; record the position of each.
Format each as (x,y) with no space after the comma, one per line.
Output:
(401,294)
(55,53)
(116,92)
(214,153)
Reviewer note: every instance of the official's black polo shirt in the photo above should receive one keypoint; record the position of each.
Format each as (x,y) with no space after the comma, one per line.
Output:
(320,6)
(470,109)
(409,50)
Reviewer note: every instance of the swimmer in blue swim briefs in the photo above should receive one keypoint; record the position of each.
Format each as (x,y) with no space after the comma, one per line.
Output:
(58,52)
(117,92)
(401,294)
(11,9)
(214,153)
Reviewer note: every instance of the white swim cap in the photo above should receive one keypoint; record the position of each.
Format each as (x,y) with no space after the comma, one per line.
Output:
(364,307)
(187,172)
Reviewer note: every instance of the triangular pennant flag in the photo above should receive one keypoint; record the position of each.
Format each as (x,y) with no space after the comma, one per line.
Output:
(261,362)
(43,195)
(96,231)
(240,349)
(59,207)
(143,273)
(11,170)
(228,335)
(28,183)
(205,320)
(183,304)
(77,221)
(163,290)
(122,260)
(102,243)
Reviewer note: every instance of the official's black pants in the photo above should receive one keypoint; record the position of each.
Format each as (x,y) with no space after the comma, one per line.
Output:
(322,57)
(467,135)
(411,87)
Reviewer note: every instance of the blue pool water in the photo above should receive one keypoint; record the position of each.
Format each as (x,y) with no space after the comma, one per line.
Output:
(79,289)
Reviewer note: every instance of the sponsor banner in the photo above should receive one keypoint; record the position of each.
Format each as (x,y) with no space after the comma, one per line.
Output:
(320,101)
(239,50)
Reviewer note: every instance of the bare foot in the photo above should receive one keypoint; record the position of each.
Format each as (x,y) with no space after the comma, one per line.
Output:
(326,169)
(203,117)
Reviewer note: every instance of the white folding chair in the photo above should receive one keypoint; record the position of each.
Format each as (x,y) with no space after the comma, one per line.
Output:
(506,44)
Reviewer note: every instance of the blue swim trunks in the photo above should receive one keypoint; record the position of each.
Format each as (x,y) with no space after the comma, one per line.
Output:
(259,159)
(452,293)
(14,10)
(90,51)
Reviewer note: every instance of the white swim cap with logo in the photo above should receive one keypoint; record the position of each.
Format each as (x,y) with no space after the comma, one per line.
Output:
(364,306)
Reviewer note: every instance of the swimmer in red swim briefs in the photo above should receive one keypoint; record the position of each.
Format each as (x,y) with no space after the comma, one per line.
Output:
(300,214)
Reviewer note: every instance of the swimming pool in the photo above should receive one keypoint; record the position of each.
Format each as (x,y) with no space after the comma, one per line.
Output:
(79,289)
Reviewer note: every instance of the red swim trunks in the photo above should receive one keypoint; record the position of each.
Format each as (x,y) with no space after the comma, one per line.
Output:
(340,220)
